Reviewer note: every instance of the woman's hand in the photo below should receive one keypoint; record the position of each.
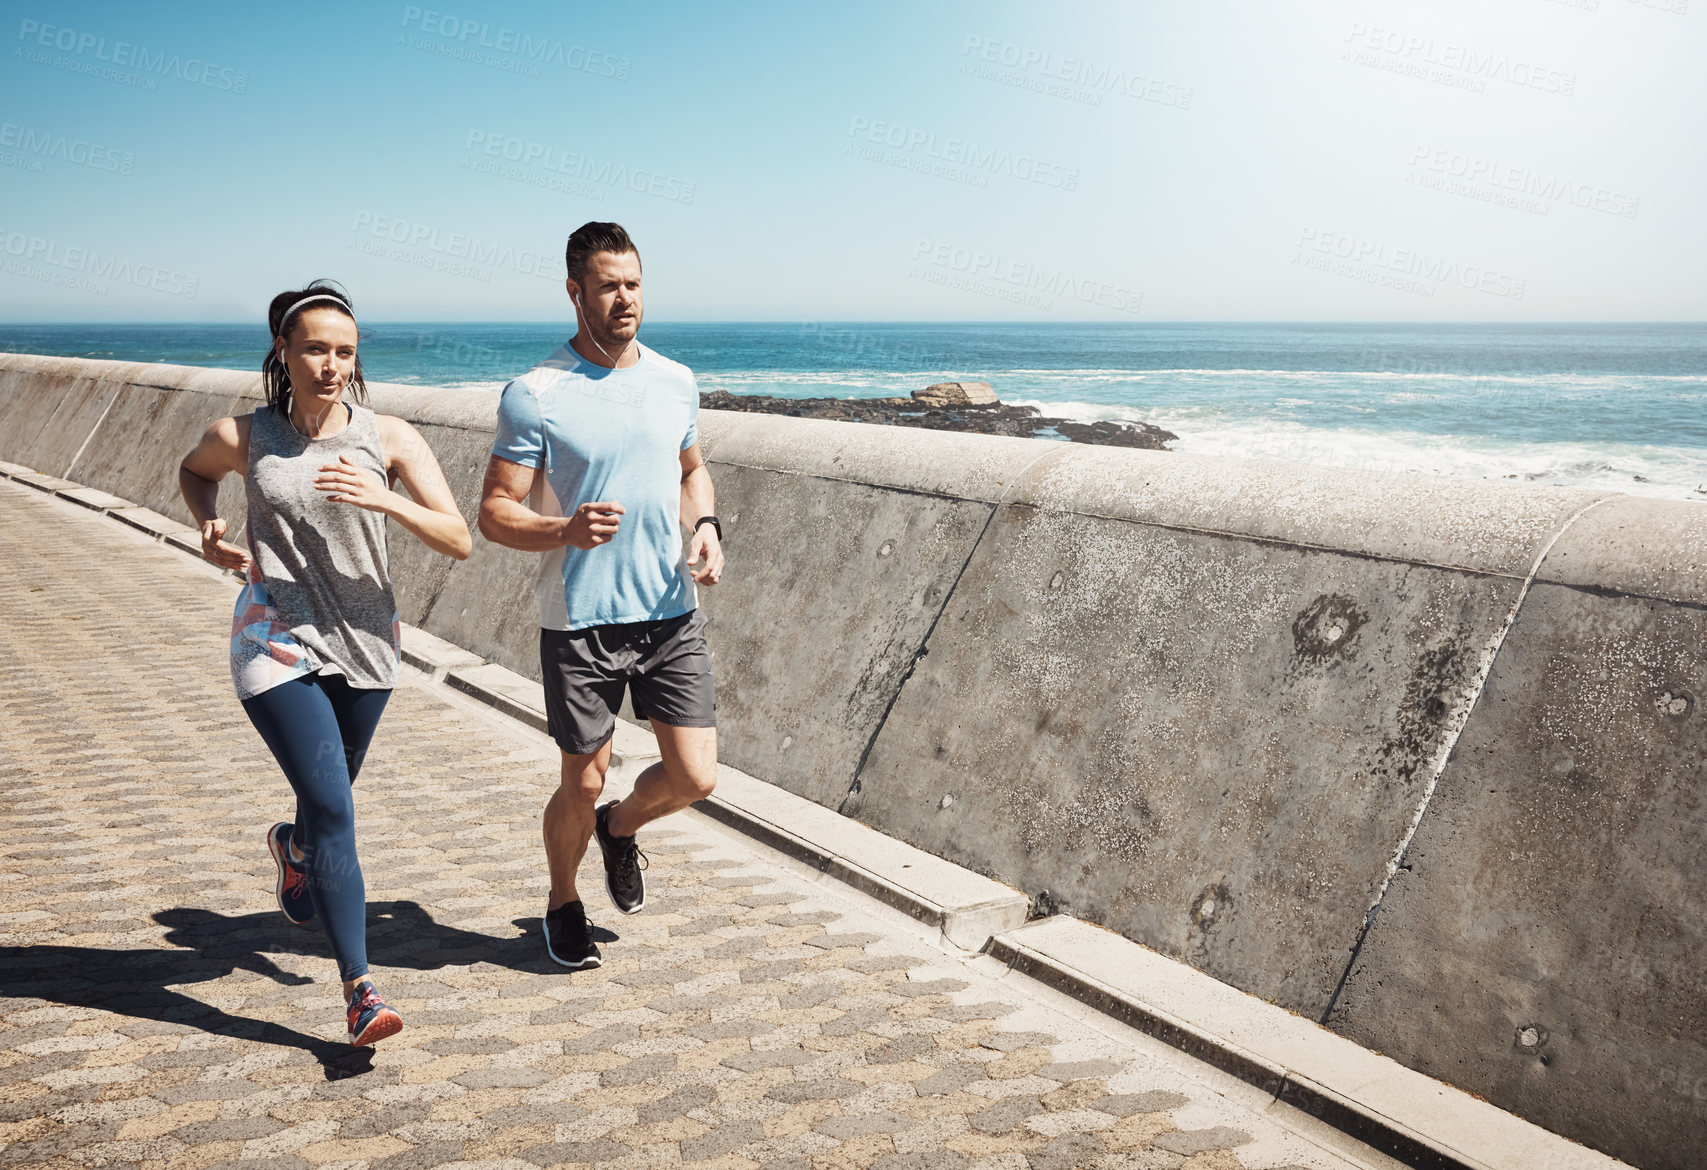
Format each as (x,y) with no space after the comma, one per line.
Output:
(346,483)
(226,556)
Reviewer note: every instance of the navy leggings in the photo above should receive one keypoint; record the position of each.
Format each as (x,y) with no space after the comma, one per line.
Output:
(318,728)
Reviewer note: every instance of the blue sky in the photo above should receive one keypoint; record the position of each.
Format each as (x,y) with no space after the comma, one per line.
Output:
(1458,160)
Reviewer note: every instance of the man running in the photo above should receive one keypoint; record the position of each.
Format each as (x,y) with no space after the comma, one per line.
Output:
(597,466)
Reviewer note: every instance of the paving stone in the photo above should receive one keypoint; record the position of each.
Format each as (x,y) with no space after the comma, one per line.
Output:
(959,1013)
(1009,1041)
(831,942)
(501,1078)
(600,1039)
(775,969)
(736,947)
(857,1020)
(646,1068)
(930,987)
(949,1080)
(671,1004)
(383,1121)
(1196,1141)
(1067,1152)
(534,1113)
(1005,1114)
(809,997)
(906,1048)
(423,1157)
(824,1089)
(935,1160)
(848,1127)
(805,918)
(557,1153)
(231,1129)
(1154,1101)
(653,977)
(730,1029)
(1078,1070)
(714,1143)
(467,1045)
(677,1104)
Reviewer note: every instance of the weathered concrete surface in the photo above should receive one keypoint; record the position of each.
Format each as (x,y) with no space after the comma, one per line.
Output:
(1187,753)
(1200,701)
(1413,1118)
(804,708)
(157,1011)
(1544,944)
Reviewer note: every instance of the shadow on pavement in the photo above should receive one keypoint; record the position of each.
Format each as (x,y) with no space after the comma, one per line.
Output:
(140,982)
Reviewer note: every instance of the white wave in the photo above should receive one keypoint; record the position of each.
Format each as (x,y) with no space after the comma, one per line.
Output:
(1640,469)
(1596,380)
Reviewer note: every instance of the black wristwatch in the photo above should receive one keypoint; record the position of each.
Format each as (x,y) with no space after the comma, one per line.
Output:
(714,522)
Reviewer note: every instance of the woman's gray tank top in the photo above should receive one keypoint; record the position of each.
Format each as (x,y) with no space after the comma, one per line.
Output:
(323,563)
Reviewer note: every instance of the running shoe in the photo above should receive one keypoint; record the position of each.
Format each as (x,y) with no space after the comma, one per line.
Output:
(623,863)
(371,1020)
(569,937)
(293,882)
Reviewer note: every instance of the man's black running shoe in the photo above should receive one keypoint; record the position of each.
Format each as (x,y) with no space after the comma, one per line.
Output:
(623,863)
(569,937)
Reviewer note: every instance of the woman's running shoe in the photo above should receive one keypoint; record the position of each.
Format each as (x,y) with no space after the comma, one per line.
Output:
(371,1020)
(292,889)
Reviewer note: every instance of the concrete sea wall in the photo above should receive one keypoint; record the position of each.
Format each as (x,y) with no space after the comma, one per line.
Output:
(1224,708)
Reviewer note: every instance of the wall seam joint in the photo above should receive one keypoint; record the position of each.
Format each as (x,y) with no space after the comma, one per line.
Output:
(925,642)
(1443,756)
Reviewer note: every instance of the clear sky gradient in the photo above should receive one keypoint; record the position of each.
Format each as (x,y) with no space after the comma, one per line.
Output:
(1456,160)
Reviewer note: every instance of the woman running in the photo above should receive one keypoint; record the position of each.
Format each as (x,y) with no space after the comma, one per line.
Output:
(314,643)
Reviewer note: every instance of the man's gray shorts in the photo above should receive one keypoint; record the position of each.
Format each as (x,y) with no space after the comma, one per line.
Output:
(664,664)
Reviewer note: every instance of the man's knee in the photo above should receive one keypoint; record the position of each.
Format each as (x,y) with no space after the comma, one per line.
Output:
(583,777)
(695,779)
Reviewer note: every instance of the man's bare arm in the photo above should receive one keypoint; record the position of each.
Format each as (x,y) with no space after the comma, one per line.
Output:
(699,498)
(506,519)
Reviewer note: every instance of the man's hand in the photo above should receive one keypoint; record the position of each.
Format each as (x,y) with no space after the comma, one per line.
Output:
(704,546)
(226,556)
(593,524)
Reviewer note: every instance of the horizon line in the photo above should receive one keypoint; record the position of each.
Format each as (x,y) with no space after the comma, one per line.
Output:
(850,321)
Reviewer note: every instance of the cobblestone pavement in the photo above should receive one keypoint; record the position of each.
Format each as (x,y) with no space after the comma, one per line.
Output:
(160,1011)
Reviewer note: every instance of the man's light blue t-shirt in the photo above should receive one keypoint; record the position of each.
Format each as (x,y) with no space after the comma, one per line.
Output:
(607,435)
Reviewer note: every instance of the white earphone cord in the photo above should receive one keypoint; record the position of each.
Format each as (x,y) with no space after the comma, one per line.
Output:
(582,323)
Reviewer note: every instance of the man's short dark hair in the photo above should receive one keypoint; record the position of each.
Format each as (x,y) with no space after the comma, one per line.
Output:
(595,237)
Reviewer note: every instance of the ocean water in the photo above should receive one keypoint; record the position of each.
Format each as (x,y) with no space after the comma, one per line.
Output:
(1607,406)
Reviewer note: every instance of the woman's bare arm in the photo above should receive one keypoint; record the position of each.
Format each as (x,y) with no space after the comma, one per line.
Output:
(224,448)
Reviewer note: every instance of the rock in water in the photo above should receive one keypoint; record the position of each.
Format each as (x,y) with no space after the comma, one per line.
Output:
(956,394)
(993,419)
